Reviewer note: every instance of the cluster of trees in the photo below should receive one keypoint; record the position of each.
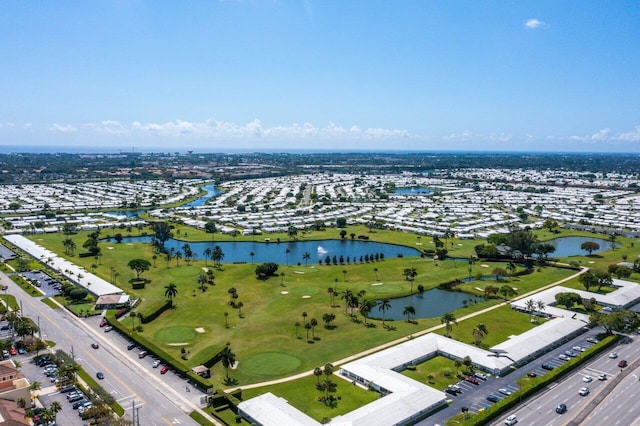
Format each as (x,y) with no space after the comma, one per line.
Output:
(506,291)
(91,244)
(266,270)
(341,260)
(327,386)
(590,279)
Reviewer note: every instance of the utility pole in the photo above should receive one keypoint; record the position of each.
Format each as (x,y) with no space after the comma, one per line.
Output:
(133,411)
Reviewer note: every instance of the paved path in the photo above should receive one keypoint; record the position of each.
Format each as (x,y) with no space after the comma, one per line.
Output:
(404,339)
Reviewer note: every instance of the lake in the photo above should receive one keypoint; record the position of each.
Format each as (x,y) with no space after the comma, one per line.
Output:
(429,304)
(240,251)
(570,246)
(414,190)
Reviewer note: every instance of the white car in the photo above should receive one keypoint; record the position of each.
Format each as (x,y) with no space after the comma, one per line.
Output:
(583,391)
(613,355)
(564,357)
(602,377)
(578,349)
(592,340)
(156,363)
(511,420)
(587,379)
(504,391)
(481,376)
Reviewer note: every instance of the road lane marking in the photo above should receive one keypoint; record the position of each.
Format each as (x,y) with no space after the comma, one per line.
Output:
(115,377)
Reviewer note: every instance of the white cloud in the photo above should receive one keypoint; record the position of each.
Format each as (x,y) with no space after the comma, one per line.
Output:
(533,23)
(464,136)
(632,136)
(63,128)
(601,135)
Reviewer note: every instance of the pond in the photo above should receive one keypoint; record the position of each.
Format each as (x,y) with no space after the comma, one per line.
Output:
(286,252)
(429,304)
(211,189)
(570,246)
(414,190)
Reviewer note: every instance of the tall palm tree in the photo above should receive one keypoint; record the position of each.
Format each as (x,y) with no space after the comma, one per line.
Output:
(55,407)
(480,332)
(330,291)
(375,271)
(34,387)
(304,317)
(540,305)
(252,254)
(365,308)
(314,323)
(317,372)
(344,275)
(408,311)
(207,254)
(306,256)
(217,255)
(530,305)
(286,254)
(346,296)
(170,291)
(228,359)
(383,306)
(239,305)
(447,319)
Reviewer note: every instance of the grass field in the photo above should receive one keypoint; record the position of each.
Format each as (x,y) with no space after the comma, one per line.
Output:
(263,334)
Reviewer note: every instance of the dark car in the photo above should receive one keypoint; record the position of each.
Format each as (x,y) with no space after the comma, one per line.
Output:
(76,397)
(95,346)
(78,404)
(531,374)
(622,364)
(548,367)
(99,375)
(493,398)
(131,346)
(451,391)
(562,408)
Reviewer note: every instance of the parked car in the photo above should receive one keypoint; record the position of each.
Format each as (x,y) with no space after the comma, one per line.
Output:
(69,388)
(622,364)
(108,329)
(22,350)
(571,354)
(13,351)
(547,367)
(450,391)
(511,420)
(602,377)
(95,345)
(578,349)
(142,354)
(532,374)
(75,397)
(583,391)
(493,398)
(131,346)
(472,379)
(103,322)
(587,379)
(164,369)
(156,363)
(79,404)
(564,357)
(481,376)
(613,355)
(504,391)
(560,409)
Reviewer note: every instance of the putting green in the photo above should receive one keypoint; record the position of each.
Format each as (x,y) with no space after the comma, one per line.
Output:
(384,288)
(270,364)
(301,291)
(176,334)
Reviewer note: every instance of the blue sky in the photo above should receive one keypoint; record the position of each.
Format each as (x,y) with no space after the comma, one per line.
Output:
(215,76)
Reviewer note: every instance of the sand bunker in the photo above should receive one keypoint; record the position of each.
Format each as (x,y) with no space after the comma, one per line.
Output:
(177,344)
(306,296)
(110,248)
(200,330)
(375,284)
(284,292)
(484,266)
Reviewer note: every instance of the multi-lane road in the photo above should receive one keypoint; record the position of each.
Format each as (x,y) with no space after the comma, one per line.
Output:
(162,399)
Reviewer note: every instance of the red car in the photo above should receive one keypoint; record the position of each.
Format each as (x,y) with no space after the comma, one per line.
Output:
(164,369)
(103,322)
(622,364)
(472,379)
(13,351)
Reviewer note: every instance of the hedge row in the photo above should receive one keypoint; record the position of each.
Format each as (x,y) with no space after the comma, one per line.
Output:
(534,386)
(147,318)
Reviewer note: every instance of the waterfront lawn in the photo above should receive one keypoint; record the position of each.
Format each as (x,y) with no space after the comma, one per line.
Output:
(303,395)
(501,323)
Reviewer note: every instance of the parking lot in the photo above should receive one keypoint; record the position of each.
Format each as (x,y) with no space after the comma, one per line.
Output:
(46,283)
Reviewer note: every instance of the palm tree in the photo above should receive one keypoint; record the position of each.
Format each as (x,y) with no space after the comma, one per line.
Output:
(346,295)
(344,275)
(365,308)
(297,324)
(330,291)
(207,254)
(408,311)
(307,327)
(55,407)
(304,317)
(480,332)
(239,305)
(252,254)
(35,386)
(170,291)
(306,256)
(375,271)
(286,253)
(228,359)
(318,373)
(178,256)
(447,319)
(383,306)
(540,305)
(217,255)
(226,320)
(530,305)
(314,323)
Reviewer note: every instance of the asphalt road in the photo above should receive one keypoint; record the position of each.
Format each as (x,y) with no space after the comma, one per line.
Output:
(540,410)
(162,399)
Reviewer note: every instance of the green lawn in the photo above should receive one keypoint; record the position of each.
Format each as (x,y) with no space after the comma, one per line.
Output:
(442,370)
(303,395)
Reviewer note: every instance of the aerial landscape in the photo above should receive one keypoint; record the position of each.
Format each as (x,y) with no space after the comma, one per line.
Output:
(305,213)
